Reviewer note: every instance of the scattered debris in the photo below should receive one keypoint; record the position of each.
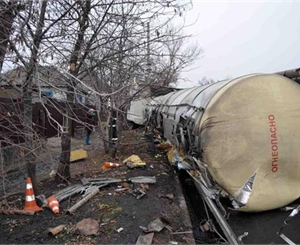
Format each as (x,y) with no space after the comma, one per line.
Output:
(82,201)
(285,238)
(288,208)
(156,225)
(119,230)
(174,157)
(184,165)
(16,211)
(54,231)
(143,179)
(100,181)
(169,228)
(85,181)
(103,206)
(168,196)
(139,193)
(145,239)
(144,186)
(52,173)
(109,165)
(286,222)
(204,226)
(106,181)
(78,155)
(240,238)
(69,191)
(134,161)
(87,227)
(182,232)
(166,145)
(110,220)
(120,190)
(90,190)
(126,185)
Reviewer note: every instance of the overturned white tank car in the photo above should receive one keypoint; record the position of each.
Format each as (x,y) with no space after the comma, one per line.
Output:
(245,131)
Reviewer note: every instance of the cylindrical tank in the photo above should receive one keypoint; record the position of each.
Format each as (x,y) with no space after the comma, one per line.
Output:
(247,133)
(250,138)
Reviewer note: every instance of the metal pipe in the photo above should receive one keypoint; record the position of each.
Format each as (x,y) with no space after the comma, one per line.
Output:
(72,209)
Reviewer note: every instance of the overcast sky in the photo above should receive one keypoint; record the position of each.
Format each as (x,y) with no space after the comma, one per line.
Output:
(242,37)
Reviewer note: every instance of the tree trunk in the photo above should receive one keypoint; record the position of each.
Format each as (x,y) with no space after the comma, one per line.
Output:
(63,171)
(27,99)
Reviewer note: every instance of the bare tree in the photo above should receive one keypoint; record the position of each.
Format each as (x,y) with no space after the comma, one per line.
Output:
(27,86)
(32,22)
(103,48)
(76,61)
(27,94)
(109,34)
(8,12)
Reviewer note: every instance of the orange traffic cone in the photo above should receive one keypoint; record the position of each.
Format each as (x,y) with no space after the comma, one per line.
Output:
(53,204)
(30,203)
(108,165)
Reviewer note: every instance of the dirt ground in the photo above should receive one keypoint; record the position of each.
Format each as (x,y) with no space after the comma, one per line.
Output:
(116,209)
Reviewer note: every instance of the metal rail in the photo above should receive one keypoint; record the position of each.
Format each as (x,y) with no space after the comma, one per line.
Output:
(229,234)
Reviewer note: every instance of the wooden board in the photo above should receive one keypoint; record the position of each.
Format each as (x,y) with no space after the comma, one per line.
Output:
(78,155)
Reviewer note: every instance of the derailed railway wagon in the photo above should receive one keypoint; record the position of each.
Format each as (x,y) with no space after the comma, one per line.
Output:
(240,139)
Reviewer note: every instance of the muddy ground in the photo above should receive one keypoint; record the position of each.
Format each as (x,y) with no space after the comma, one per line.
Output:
(116,209)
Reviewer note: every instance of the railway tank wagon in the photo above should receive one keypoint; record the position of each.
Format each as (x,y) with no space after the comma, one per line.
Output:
(245,131)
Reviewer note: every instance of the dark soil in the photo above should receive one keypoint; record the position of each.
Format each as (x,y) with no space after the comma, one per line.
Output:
(112,209)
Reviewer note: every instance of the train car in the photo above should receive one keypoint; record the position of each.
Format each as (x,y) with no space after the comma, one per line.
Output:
(136,112)
(243,135)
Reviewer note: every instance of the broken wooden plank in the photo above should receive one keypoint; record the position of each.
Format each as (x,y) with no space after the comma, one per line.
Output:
(54,231)
(72,209)
(78,155)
